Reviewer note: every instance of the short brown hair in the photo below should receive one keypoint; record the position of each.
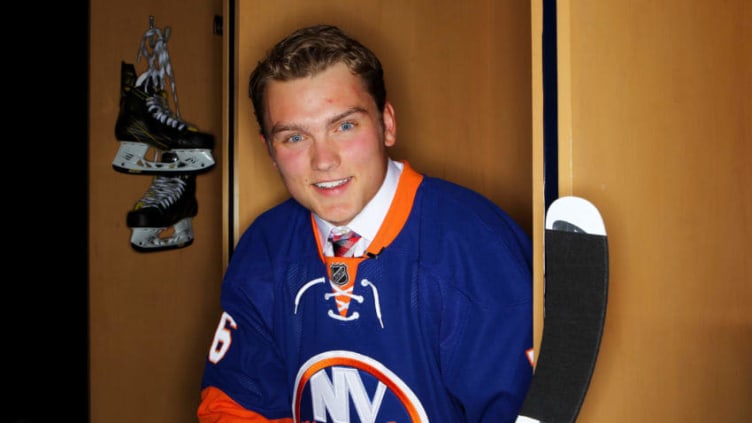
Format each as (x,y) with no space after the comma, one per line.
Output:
(309,51)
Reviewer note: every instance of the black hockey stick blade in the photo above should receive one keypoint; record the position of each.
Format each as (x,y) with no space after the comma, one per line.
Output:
(575,297)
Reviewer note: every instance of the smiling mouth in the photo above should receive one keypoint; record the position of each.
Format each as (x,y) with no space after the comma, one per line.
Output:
(332,184)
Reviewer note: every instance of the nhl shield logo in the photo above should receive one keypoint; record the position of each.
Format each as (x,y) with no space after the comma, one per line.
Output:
(339,274)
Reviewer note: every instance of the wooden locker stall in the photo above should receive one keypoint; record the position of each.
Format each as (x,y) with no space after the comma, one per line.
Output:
(655,124)
(151,315)
(457,73)
(654,128)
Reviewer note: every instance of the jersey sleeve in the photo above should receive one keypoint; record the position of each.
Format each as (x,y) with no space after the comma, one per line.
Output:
(485,267)
(245,374)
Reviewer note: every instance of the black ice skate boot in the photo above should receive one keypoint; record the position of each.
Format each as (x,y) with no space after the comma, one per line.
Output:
(154,140)
(163,218)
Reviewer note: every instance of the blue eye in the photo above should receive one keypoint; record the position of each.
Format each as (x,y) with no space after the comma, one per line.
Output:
(295,138)
(346,126)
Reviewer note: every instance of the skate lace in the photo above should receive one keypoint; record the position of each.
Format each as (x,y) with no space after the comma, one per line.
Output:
(159,108)
(153,47)
(163,192)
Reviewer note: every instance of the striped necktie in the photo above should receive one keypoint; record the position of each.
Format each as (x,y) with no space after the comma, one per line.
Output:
(343,243)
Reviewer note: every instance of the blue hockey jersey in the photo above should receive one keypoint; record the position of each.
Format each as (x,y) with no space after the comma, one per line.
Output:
(433,323)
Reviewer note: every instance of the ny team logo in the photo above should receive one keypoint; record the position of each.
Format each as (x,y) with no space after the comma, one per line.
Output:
(347,387)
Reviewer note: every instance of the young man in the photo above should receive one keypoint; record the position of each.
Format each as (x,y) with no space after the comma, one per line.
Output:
(427,316)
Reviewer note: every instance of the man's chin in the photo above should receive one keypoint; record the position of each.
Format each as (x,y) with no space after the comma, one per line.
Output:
(336,217)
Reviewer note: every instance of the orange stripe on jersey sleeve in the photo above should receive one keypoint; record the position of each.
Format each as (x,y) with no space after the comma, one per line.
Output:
(217,407)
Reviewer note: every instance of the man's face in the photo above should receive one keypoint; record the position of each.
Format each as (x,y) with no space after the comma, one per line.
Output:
(329,141)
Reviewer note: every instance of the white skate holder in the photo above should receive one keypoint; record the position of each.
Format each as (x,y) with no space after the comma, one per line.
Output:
(131,158)
(154,239)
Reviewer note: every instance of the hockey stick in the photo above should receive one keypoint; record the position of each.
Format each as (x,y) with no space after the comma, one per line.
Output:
(576,292)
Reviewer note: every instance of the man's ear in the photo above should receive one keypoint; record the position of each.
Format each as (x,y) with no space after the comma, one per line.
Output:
(390,125)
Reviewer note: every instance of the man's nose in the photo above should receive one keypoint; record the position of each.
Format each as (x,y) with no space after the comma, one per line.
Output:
(324,154)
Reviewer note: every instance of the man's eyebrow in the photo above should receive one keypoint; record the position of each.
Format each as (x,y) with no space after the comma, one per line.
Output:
(346,113)
(280,127)
(277,128)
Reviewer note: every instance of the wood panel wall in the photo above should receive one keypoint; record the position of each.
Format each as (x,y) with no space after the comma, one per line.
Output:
(151,315)
(656,130)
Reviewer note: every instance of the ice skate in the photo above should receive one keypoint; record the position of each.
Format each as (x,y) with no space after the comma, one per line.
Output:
(163,218)
(153,139)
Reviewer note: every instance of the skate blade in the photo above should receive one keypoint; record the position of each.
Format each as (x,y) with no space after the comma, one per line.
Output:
(140,158)
(179,235)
